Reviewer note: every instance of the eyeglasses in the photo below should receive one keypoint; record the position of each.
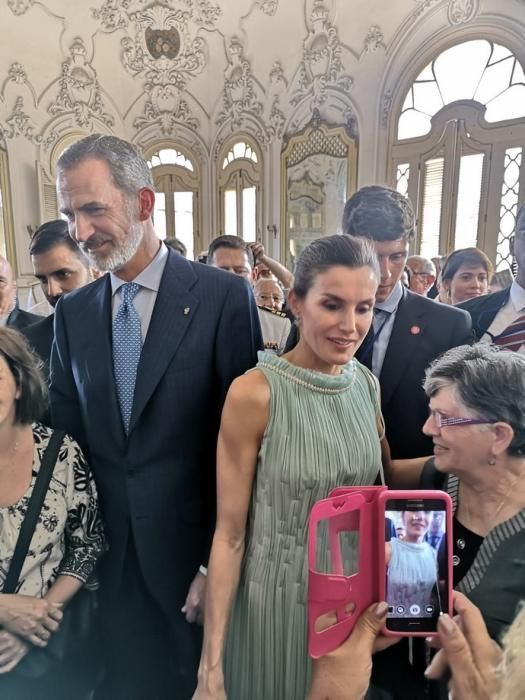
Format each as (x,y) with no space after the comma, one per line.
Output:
(443,421)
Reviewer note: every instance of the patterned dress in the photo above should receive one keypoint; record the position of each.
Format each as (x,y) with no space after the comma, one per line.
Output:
(68,537)
(322,432)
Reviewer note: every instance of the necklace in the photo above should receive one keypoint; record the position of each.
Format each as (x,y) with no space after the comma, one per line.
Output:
(499,507)
(475,539)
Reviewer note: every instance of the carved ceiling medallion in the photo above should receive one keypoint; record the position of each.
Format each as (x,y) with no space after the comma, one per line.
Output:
(162,45)
(163,42)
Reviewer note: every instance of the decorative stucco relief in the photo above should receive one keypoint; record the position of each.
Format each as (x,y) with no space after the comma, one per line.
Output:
(274,116)
(112,15)
(458,11)
(350,123)
(462,11)
(269,7)
(20,7)
(422,6)
(374,40)
(19,123)
(163,47)
(80,92)
(322,66)
(388,98)
(17,73)
(242,95)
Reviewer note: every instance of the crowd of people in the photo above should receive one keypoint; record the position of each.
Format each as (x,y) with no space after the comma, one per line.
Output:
(165,433)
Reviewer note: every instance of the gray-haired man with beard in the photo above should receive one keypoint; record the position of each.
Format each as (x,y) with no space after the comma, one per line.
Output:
(141,363)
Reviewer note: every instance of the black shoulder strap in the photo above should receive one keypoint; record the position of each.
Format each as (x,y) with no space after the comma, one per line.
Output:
(33,510)
(431,479)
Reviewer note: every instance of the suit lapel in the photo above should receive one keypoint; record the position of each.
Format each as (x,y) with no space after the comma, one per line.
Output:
(488,310)
(407,331)
(173,313)
(98,355)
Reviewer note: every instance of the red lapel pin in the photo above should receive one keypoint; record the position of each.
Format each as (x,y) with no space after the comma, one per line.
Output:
(415,330)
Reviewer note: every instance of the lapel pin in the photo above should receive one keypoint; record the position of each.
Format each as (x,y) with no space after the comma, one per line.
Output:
(186,310)
(415,330)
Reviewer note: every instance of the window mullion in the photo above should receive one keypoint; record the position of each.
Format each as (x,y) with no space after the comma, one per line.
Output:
(239,180)
(170,206)
(450,187)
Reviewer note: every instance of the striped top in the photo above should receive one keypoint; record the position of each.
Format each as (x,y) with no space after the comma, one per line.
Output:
(495,581)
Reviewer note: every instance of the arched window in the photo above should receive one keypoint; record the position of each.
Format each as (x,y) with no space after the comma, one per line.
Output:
(176,180)
(240,179)
(459,146)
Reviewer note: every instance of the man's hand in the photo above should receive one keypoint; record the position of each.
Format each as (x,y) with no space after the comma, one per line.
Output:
(193,608)
(258,251)
(33,619)
(472,656)
(12,651)
(344,674)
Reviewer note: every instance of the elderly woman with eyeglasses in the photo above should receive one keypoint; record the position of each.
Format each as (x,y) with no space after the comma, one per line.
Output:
(477,422)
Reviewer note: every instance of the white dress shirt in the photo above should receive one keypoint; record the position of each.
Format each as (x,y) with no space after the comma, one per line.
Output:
(149,281)
(390,304)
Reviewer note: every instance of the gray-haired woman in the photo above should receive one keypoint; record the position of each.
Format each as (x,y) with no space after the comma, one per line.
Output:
(477,422)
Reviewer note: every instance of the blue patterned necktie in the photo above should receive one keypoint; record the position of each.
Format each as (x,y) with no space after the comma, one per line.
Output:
(127,346)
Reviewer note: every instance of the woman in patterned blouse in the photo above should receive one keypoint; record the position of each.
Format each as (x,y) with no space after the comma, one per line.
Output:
(68,537)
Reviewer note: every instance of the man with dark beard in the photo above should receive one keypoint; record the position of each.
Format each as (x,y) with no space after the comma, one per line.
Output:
(141,363)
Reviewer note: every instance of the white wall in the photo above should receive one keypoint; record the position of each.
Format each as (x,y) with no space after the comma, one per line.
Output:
(69,67)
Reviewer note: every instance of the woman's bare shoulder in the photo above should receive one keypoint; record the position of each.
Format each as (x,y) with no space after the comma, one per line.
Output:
(247,407)
(250,390)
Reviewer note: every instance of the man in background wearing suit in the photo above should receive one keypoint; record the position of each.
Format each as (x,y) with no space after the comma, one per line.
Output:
(500,317)
(408,330)
(60,266)
(232,254)
(141,364)
(10,314)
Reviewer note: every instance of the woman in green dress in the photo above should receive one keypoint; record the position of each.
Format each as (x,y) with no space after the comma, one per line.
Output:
(292,429)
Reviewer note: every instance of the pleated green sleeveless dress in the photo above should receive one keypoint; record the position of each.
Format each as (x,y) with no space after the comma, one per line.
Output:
(321,433)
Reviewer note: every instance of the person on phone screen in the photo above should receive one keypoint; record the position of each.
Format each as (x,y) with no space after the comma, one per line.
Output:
(411,565)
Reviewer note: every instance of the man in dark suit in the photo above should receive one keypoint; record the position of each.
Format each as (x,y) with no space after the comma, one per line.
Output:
(11,315)
(408,331)
(141,364)
(500,317)
(60,266)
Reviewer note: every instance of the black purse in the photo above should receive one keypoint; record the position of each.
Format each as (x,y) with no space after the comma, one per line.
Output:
(72,642)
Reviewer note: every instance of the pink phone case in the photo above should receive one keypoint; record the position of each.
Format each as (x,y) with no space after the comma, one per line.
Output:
(345,510)
(413,495)
(351,509)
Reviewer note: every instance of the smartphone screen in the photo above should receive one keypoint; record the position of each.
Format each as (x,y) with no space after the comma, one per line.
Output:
(416,559)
